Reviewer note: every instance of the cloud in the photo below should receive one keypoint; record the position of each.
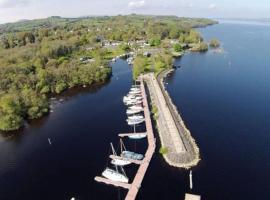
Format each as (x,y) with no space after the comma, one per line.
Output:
(136,4)
(212,6)
(13,3)
(190,5)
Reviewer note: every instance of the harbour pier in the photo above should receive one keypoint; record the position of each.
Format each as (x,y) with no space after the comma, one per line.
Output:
(174,136)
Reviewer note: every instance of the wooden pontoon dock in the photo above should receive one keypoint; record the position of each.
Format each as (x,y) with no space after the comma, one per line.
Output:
(134,187)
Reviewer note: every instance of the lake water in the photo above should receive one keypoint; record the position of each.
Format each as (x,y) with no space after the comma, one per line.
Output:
(223,98)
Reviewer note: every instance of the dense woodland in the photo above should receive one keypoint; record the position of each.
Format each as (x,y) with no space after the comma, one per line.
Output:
(48,56)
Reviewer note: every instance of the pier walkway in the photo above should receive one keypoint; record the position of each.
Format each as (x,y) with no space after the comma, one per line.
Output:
(134,187)
(182,149)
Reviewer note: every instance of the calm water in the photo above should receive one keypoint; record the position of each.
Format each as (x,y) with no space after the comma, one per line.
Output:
(223,98)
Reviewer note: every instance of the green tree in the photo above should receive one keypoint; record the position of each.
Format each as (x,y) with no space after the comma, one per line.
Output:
(5,43)
(177,47)
(214,43)
(155,42)
(10,112)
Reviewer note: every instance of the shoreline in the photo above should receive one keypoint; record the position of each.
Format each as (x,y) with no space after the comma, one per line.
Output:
(95,85)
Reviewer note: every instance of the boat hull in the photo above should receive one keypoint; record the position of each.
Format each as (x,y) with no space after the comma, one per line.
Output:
(137,136)
(114,175)
(119,162)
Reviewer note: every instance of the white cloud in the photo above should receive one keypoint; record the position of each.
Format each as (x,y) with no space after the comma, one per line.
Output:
(212,6)
(136,4)
(190,5)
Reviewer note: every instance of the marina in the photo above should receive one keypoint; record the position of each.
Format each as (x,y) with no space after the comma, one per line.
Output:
(117,179)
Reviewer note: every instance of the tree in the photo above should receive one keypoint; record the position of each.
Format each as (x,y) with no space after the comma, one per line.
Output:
(177,47)
(155,42)
(214,43)
(5,43)
(10,112)
(203,47)
(174,33)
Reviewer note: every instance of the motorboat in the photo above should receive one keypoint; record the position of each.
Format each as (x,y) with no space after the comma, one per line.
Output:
(137,136)
(135,92)
(131,97)
(131,111)
(133,102)
(135,117)
(132,155)
(114,175)
(136,107)
(134,122)
(135,89)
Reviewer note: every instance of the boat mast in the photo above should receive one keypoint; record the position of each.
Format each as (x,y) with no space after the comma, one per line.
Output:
(134,129)
(190,180)
(113,151)
(122,145)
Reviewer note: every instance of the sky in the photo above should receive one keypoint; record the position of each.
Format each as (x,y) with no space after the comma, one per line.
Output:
(14,10)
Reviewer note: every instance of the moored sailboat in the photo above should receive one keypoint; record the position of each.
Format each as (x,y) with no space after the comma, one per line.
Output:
(118,161)
(114,175)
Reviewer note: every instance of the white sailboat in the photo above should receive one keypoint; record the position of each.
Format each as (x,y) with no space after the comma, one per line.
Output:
(114,175)
(137,136)
(118,161)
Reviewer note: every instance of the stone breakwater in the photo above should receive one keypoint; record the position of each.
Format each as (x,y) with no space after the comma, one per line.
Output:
(183,151)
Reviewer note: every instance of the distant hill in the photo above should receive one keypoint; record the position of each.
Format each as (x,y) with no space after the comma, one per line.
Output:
(56,21)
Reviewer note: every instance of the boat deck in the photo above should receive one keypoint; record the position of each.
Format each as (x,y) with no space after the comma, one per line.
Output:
(130,134)
(137,162)
(192,197)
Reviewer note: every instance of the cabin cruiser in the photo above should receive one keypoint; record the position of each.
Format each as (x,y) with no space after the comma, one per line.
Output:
(135,117)
(137,136)
(114,175)
(134,122)
(132,155)
(134,92)
(132,111)
(136,107)
(133,102)
(131,97)
(135,89)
